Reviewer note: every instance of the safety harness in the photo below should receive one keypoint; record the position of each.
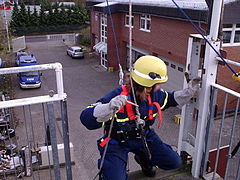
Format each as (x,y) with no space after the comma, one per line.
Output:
(128,108)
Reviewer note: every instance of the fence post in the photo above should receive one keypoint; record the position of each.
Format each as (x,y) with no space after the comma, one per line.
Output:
(53,137)
(210,118)
(66,139)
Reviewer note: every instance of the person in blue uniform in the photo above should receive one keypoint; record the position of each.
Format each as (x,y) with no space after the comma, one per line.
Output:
(127,126)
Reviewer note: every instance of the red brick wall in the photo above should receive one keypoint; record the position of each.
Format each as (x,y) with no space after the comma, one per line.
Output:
(224,77)
(112,51)
(95,23)
(168,37)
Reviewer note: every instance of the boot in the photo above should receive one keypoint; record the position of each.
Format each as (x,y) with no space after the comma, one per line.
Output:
(147,169)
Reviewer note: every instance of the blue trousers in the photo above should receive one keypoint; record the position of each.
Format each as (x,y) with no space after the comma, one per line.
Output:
(115,161)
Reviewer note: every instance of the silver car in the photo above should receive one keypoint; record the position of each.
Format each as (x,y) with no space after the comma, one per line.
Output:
(75,52)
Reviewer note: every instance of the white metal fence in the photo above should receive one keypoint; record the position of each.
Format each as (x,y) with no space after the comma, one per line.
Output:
(18,44)
(34,145)
(68,39)
(221,154)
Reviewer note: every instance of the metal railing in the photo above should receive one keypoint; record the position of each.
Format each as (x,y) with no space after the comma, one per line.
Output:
(221,156)
(32,141)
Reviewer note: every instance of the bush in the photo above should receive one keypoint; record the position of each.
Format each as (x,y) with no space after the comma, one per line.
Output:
(85,41)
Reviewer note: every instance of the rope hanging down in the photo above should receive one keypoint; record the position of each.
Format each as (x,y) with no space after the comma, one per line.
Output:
(198,30)
(139,122)
(121,74)
(116,46)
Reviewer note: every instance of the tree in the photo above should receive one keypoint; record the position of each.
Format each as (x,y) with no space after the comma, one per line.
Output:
(52,17)
(43,17)
(34,20)
(28,17)
(15,15)
(23,17)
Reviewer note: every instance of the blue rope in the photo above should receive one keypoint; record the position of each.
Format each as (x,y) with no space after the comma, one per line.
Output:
(196,28)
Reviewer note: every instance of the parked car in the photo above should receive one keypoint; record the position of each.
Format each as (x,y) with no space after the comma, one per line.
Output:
(19,55)
(30,79)
(75,52)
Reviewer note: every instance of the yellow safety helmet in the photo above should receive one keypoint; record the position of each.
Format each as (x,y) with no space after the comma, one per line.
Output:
(149,70)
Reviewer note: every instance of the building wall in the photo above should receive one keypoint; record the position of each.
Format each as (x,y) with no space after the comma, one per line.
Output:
(168,37)
(95,25)
(224,77)
(112,51)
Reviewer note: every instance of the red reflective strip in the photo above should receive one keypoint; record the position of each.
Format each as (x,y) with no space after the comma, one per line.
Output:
(150,111)
(159,113)
(104,142)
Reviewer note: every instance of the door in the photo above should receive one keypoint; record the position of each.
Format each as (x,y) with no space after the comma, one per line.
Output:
(175,75)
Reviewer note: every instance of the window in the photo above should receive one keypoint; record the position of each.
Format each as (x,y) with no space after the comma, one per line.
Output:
(127,20)
(180,69)
(173,66)
(104,61)
(145,22)
(167,63)
(231,35)
(103,28)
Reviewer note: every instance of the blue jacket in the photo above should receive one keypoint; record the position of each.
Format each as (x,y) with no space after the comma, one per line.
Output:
(165,99)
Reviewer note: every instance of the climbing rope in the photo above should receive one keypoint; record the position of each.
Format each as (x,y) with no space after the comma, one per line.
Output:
(198,30)
(121,74)
(139,122)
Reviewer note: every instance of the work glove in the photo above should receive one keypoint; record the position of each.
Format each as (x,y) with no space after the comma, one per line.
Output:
(105,111)
(183,96)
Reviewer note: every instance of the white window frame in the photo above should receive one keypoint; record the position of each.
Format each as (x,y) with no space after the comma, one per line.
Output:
(103,29)
(144,20)
(233,30)
(127,24)
(104,61)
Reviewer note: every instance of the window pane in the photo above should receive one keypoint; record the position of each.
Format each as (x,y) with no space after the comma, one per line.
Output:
(226,36)
(173,66)
(167,63)
(127,20)
(237,37)
(237,25)
(180,69)
(142,24)
(148,25)
(227,26)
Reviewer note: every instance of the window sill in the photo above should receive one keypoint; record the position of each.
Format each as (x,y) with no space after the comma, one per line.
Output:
(230,44)
(128,26)
(145,30)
